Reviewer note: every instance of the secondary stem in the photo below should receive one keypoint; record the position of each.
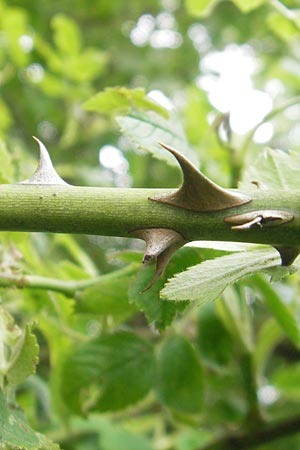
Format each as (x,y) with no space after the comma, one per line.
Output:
(66,287)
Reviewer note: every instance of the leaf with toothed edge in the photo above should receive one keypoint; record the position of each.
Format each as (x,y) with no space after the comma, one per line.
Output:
(146,129)
(15,433)
(206,281)
(45,173)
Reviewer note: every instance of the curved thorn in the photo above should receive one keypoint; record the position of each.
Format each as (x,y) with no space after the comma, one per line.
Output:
(45,172)
(198,193)
(161,243)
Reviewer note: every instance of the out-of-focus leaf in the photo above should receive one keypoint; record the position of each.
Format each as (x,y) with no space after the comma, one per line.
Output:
(5,116)
(87,66)
(15,25)
(287,381)
(6,167)
(236,316)
(282,27)
(24,358)
(108,373)
(248,5)
(285,316)
(67,36)
(200,8)
(206,281)
(118,100)
(192,439)
(274,169)
(104,299)
(16,433)
(180,376)
(270,334)
(115,438)
(213,339)
(147,129)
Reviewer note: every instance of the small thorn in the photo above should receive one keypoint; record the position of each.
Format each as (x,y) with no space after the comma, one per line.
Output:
(45,172)
(198,193)
(161,243)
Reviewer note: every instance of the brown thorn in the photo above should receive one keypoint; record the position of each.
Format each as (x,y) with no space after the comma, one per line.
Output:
(161,243)
(199,193)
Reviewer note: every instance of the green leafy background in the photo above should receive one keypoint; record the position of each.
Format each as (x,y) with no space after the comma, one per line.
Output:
(213,346)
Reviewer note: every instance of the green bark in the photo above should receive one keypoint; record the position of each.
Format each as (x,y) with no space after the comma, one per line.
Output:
(117,212)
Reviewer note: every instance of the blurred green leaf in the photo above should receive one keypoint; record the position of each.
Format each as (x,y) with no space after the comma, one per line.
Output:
(147,129)
(206,281)
(180,376)
(248,5)
(274,169)
(118,100)
(283,27)
(108,373)
(214,341)
(285,315)
(24,358)
(200,8)
(67,36)
(6,119)
(16,433)
(14,25)
(236,316)
(104,299)
(269,336)
(115,438)
(287,381)
(6,167)
(192,439)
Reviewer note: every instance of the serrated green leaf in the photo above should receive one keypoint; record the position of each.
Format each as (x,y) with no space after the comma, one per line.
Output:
(285,316)
(200,8)
(206,281)
(24,358)
(157,311)
(67,35)
(108,373)
(16,433)
(118,100)
(274,169)
(180,377)
(147,129)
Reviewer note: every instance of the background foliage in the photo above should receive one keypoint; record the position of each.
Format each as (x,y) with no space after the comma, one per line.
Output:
(96,364)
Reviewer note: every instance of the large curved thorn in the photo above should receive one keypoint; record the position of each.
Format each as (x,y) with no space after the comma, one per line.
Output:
(199,193)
